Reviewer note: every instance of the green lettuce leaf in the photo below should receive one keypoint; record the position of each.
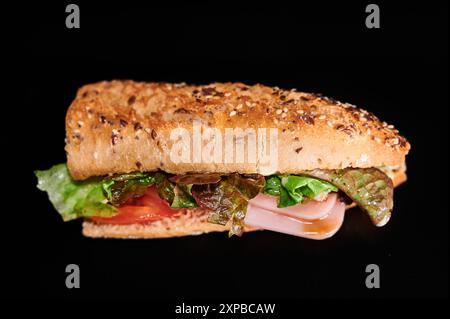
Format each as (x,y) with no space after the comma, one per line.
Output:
(183,197)
(370,188)
(165,188)
(74,199)
(100,196)
(134,185)
(226,196)
(121,188)
(293,189)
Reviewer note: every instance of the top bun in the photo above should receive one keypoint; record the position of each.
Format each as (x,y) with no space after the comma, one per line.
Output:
(125,126)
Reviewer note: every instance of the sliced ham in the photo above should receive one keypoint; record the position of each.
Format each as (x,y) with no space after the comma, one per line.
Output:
(271,219)
(309,209)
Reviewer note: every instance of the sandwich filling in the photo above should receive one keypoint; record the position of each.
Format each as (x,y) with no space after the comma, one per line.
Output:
(310,204)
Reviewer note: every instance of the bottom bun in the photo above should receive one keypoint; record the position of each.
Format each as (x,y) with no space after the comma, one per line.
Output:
(194,222)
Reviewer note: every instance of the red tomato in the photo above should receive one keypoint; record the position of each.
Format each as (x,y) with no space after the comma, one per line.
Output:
(145,209)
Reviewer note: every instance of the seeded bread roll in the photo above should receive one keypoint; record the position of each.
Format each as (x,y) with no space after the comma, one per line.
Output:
(125,126)
(194,222)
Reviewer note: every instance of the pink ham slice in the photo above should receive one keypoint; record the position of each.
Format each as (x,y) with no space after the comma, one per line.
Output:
(271,219)
(309,209)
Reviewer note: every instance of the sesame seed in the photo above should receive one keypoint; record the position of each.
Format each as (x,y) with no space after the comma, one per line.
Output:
(137,126)
(368,131)
(363,119)
(278,112)
(275,121)
(390,127)
(322,117)
(377,139)
(247,103)
(300,111)
(363,158)
(114,136)
(152,133)
(385,124)
(329,123)
(233,113)
(283,115)
(227,94)
(239,106)
(285,110)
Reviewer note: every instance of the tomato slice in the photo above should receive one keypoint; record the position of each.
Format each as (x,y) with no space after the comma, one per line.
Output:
(145,209)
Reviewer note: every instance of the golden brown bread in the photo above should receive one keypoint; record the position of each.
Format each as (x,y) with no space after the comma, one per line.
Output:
(124,126)
(193,223)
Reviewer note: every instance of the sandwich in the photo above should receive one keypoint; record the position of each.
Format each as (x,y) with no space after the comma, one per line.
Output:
(158,160)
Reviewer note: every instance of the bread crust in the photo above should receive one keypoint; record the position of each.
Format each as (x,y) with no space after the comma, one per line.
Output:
(194,222)
(125,126)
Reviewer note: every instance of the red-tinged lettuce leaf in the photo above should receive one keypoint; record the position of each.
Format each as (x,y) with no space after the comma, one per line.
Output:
(198,179)
(134,185)
(249,185)
(228,199)
(370,188)
(121,188)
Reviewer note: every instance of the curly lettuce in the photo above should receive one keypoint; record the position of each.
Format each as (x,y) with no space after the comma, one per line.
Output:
(74,199)
(183,197)
(101,196)
(120,188)
(228,199)
(293,189)
(226,196)
(370,188)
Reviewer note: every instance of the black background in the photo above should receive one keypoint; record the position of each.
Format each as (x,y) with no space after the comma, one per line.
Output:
(399,72)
